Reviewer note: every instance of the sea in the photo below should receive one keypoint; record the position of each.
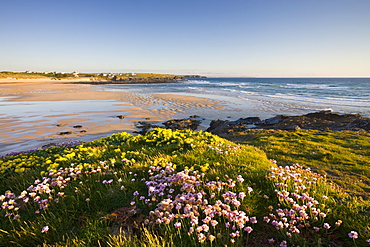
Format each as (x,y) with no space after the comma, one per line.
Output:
(268,97)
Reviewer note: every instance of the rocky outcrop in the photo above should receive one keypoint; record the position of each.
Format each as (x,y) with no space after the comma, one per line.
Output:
(182,124)
(323,120)
(175,124)
(359,124)
(224,126)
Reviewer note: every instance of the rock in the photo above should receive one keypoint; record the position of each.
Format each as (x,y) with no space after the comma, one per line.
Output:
(359,123)
(217,127)
(182,124)
(121,117)
(222,126)
(61,125)
(274,120)
(322,120)
(77,126)
(65,133)
(144,127)
(245,121)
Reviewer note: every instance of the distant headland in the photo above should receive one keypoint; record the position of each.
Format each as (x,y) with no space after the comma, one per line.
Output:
(93,78)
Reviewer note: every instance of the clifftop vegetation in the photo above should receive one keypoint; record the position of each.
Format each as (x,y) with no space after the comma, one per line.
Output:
(184,187)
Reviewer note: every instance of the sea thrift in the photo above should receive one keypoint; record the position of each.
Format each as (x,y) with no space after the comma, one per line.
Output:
(184,195)
(299,208)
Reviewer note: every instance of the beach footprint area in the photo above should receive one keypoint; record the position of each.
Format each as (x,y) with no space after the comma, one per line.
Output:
(35,114)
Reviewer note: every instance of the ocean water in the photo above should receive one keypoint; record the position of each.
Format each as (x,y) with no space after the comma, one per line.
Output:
(267,97)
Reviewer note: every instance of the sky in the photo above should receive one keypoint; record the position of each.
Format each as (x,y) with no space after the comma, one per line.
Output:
(219,38)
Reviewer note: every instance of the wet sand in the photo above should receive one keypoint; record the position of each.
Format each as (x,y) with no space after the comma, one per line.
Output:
(34,113)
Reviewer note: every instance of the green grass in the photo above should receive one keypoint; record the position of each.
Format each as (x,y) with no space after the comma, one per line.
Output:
(183,187)
(344,156)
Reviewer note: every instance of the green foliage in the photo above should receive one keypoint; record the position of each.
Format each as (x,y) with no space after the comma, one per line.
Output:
(99,193)
(344,156)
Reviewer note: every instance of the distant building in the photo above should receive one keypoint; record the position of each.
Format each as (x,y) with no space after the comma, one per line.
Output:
(75,74)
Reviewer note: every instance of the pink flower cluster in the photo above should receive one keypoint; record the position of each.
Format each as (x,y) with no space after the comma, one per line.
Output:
(49,189)
(205,210)
(298,208)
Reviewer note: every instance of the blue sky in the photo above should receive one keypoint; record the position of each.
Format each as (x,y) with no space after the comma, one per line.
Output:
(272,38)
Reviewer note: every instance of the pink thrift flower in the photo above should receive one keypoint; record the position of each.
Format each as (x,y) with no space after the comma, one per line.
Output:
(249,189)
(283,244)
(353,234)
(253,220)
(214,223)
(44,229)
(248,229)
(326,226)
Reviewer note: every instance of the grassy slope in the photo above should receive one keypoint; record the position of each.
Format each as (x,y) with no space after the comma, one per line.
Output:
(344,156)
(113,169)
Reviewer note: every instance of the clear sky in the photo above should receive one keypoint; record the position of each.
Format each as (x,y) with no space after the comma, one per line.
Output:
(261,38)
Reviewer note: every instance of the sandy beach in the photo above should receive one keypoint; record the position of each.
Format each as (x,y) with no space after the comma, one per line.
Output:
(38,112)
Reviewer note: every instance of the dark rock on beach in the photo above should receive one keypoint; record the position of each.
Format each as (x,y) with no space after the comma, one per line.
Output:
(359,123)
(225,126)
(174,124)
(144,127)
(65,133)
(322,120)
(182,124)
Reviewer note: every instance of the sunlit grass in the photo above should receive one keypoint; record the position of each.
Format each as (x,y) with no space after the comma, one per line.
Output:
(183,187)
(344,156)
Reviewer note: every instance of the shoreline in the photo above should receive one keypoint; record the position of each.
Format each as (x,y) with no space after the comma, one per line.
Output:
(35,114)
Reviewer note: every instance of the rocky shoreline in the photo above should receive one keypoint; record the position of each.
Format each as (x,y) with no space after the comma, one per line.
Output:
(322,120)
